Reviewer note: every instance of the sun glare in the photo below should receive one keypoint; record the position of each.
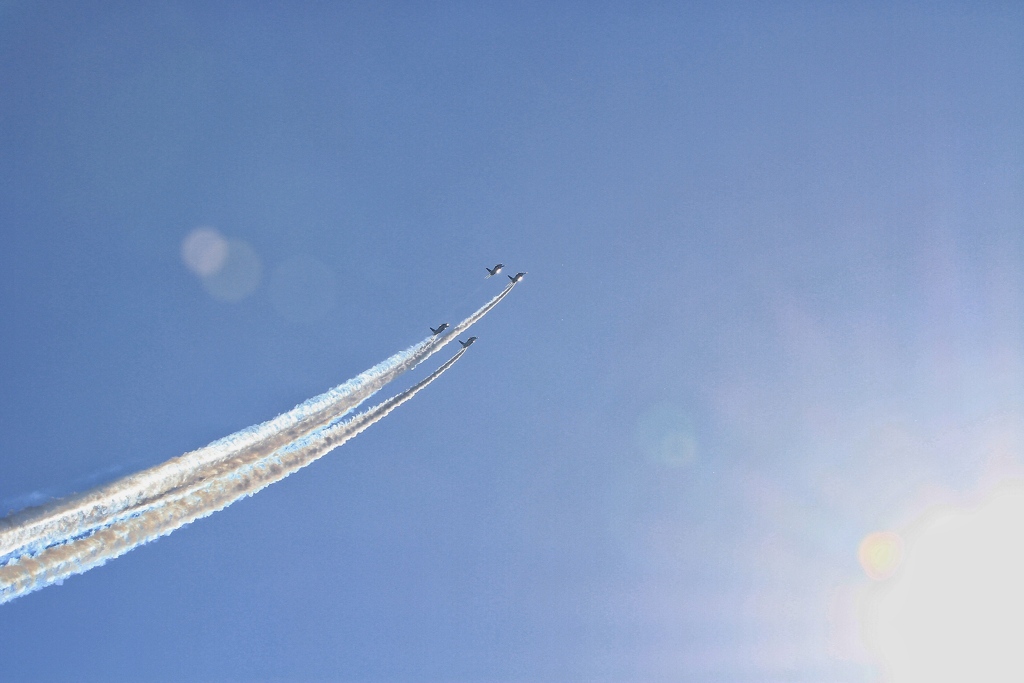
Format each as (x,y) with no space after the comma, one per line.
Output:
(955,612)
(880,554)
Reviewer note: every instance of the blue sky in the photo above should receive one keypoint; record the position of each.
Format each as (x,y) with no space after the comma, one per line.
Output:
(774,302)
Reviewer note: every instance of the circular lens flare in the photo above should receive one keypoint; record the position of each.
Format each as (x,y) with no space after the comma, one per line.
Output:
(880,554)
(238,277)
(954,611)
(204,251)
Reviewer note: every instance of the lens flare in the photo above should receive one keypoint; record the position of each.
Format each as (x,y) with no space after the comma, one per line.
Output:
(204,251)
(230,269)
(954,611)
(880,554)
(238,276)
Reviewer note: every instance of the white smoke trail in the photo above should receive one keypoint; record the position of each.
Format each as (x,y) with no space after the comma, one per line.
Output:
(33,530)
(227,473)
(238,476)
(54,564)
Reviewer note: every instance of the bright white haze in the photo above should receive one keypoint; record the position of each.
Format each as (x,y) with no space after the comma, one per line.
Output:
(956,612)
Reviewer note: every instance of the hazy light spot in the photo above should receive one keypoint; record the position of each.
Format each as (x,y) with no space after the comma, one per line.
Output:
(954,613)
(302,289)
(204,251)
(665,435)
(880,554)
(238,277)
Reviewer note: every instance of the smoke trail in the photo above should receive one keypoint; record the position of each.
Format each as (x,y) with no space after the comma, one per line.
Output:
(228,473)
(27,530)
(160,518)
(33,530)
(241,476)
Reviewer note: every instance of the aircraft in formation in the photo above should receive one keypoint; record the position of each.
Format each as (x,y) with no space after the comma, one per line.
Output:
(490,272)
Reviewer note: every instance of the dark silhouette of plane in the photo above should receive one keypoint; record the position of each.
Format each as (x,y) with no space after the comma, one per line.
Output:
(466,344)
(494,271)
(517,278)
(440,329)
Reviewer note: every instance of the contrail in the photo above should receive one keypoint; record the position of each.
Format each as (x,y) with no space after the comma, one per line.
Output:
(236,474)
(57,563)
(33,530)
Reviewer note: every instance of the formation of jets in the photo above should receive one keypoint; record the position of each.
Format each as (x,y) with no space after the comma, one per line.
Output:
(491,272)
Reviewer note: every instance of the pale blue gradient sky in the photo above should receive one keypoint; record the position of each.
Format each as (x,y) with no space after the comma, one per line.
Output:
(786,239)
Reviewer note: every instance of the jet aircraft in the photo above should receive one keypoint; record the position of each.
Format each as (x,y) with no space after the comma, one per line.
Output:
(440,329)
(466,344)
(494,271)
(517,278)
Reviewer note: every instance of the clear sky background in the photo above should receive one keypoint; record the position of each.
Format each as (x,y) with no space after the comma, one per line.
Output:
(775,303)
